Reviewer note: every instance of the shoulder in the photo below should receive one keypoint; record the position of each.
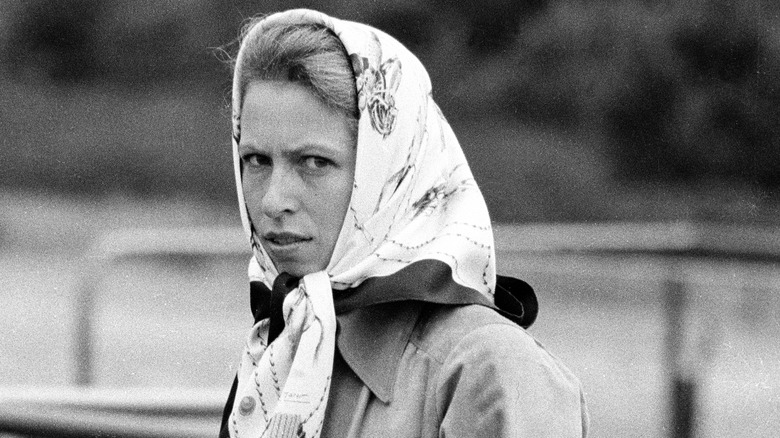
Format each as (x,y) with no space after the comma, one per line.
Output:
(446,330)
(479,339)
(490,364)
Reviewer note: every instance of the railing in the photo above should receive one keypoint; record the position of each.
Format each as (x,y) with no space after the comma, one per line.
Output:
(686,332)
(110,412)
(120,245)
(86,411)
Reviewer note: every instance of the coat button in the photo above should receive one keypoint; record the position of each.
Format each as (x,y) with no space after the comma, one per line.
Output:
(246,406)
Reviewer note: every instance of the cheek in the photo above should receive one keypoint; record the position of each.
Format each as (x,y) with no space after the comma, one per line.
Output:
(339,203)
(346,196)
(253,194)
(327,206)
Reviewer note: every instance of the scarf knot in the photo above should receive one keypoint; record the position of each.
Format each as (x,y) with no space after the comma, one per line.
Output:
(284,377)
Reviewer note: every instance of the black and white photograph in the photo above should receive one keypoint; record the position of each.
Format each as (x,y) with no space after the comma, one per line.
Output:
(407,219)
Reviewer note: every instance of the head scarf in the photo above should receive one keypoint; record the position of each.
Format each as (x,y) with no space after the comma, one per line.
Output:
(414,198)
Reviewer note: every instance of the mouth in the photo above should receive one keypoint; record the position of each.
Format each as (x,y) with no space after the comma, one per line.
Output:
(284,239)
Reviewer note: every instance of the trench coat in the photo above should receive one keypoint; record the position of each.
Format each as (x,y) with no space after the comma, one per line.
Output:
(419,356)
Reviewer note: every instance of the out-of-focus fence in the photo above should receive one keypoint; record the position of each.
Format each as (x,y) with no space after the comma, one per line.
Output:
(670,254)
(110,412)
(684,258)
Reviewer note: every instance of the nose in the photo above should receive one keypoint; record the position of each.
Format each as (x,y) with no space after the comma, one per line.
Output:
(279,199)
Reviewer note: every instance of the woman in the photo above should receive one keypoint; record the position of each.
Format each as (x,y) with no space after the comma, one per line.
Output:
(373,278)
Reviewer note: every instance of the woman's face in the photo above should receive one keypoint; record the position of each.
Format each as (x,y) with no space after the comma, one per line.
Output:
(298,161)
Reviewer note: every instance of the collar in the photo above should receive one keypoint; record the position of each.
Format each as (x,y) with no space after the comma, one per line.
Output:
(372,340)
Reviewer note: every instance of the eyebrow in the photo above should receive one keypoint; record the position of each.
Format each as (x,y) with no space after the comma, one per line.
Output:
(302,149)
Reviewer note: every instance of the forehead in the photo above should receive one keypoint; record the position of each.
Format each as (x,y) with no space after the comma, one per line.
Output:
(280,113)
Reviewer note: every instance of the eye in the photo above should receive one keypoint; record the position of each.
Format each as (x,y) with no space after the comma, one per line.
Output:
(315,163)
(255,160)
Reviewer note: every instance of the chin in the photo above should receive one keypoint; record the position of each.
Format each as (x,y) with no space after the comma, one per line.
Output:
(298,269)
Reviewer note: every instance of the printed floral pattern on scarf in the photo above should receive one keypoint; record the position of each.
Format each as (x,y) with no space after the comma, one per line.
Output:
(376,86)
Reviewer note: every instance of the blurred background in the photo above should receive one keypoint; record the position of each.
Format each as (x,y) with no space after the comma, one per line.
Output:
(115,115)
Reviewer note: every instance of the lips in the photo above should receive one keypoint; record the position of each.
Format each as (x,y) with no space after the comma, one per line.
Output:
(284,239)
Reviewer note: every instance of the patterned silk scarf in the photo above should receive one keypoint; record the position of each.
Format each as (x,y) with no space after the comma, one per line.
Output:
(414,198)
